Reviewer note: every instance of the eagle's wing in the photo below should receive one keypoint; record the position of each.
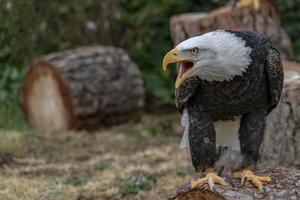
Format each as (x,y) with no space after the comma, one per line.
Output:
(185,92)
(275,78)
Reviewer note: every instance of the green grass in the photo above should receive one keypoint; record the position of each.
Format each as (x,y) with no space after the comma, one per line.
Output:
(11,116)
(101,165)
(105,165)
(135,184)
(12,128)
(151,125)
(76,181)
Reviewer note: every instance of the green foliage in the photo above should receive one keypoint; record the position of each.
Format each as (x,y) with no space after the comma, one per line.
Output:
(34,28)
(151,39)
(30,29)
(290,10)
(10,80)
(11,116)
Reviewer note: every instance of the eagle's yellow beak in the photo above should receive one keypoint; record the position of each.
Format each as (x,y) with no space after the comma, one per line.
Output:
(176,56)
(171,57)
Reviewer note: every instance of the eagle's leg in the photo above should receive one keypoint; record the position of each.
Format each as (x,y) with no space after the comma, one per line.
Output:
(210,178)
(251,136)
(255,180)
(202,142)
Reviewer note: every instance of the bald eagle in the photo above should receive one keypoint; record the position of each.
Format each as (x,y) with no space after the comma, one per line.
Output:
(228,82)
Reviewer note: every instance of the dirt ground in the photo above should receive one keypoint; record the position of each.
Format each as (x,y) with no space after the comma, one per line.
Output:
(132,161)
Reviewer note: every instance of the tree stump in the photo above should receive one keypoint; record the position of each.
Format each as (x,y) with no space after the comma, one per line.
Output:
(285,185)
(82,88)
(266,20)
(281,146)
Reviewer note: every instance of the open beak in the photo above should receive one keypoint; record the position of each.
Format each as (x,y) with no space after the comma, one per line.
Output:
(185,65)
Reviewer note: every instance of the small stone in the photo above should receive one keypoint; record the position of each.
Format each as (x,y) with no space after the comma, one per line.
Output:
(267,189)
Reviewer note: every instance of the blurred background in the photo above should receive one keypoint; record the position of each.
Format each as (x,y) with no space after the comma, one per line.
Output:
(67,165)
(30,29)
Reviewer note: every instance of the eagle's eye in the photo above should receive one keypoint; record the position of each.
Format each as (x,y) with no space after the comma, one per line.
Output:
(194,50)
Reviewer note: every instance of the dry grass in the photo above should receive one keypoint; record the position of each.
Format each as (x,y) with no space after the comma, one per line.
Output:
(11,142)
(109,164)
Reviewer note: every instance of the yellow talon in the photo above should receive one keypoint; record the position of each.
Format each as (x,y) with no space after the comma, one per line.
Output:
(210,178)
(256,3)
(257,181)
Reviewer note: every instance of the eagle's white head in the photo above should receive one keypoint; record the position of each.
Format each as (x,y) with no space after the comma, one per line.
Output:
(215,56)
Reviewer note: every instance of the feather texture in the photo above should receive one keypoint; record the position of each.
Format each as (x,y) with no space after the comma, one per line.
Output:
(215,48)
(249,95)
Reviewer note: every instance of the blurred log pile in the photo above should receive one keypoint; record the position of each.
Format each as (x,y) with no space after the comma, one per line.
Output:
(82,88)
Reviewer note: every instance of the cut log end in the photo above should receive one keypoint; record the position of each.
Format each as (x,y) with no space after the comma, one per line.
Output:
(185,193)
(84,88)
(45,98)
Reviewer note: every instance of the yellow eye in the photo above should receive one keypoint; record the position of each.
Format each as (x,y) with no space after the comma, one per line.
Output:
(194,50)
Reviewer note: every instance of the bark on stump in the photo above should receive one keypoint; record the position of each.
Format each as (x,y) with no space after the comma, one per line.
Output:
(281,144)
(82,88)
(285,185)
(266,20)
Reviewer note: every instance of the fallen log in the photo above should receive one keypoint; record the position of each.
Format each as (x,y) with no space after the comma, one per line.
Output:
(265,19)
(84,88)
(285,185)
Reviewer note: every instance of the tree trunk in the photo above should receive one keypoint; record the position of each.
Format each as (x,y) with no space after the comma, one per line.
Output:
(285,185)
(82,89)
(266,20)
(281,144)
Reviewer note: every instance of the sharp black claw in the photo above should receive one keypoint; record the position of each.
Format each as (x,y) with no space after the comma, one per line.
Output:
(244,182)
(230,182)
(213,189)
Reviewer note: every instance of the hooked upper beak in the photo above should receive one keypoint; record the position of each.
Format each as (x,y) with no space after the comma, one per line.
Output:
(171,57)
(174,56)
